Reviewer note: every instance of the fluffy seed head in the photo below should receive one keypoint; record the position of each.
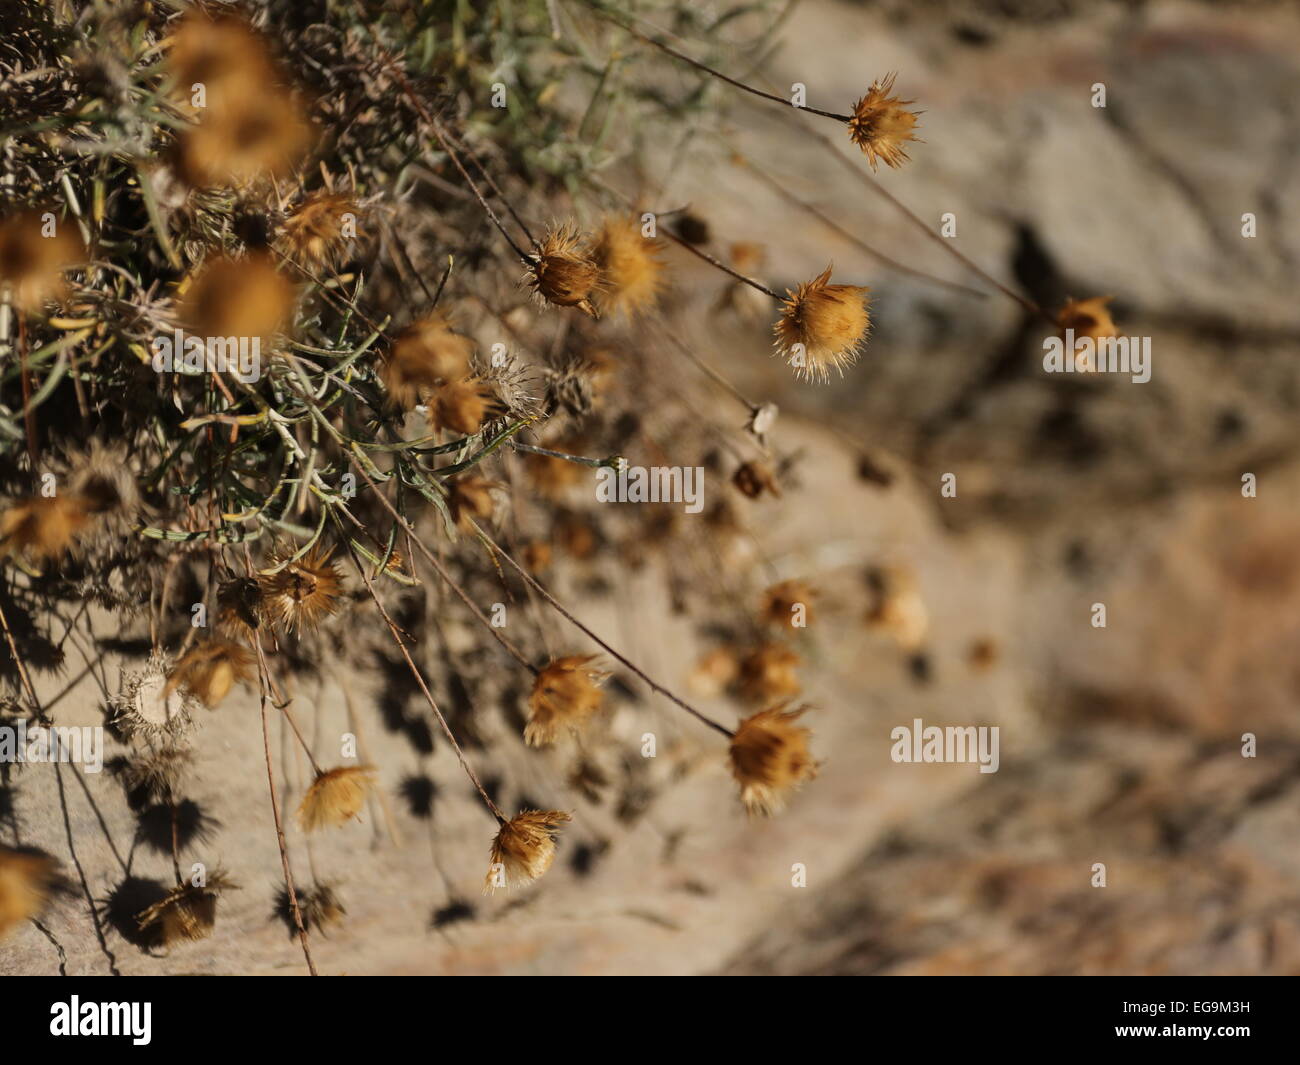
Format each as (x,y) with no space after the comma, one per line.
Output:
(462,406)
(768,673)
(782,603)
(714,673)
(230,297)
(313,234)
(188,913)
(565,695)
(881,125)
(823,326)
(524,848)
(471,499)
(335,797)
(32,262)
(210,669)
(631,272)
(40,529)
(1088,318)
(27,882)
(299,594)
(770,758)
(897,609)
(424,355)
(563,272)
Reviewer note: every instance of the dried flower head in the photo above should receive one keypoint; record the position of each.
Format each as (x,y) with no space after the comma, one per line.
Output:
(471,499)
(239,608)
(563,271)
(524,848)
(823,326)
(320,906)
(41,529)
(188,913)
(896,607)
(555,478)
(767,674)
(101,478)
(335,797)
(536,556)
(239,141)
(210,669)
(424,355)
(881,125)
(316,229)
(245,297)
(155,774)
(788,604)
(28,880)
(714,673)
(752,479)
(631,272)
(216,51)
(463,406)
(147,704)
(1088,318)
(770,758)
(35,250)
(565,695)
(297,594)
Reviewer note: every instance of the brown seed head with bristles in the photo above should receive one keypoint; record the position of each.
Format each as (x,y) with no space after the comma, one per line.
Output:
(210,669)
(631,271)
(299,594)
(768,673)
(315,231)
(463,406)
(33,258)
(424,355)
(524,848)
(770,758)
(335,797)
(563,272)
(565,695)
(1088,318)
(823,326)
(881,125)
(782,603)
(230,297)
(41,529)
(28,880)
(188,913)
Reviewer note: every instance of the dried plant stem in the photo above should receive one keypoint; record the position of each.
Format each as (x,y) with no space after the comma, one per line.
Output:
(856,241)
(20,664)
(669,50)
(263,677)
(563,612)
(424,688)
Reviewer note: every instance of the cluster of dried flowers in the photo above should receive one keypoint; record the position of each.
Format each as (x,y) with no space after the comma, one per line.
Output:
(341,217)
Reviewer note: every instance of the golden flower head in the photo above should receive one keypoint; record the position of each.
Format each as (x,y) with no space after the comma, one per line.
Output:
(297,594)
(767,673)
(230,297)
(239,608)
(770,758)
(881,125)
(463,405)
(788,603)
(35,250)
(210,669)
(524,848)
(631,272)
(424,355)
(28,880)
(188,913)
(714,673)
(563,272)
(216,51)
(335,797)
(40,529)
(315,231)
(565,695)
(823,326)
